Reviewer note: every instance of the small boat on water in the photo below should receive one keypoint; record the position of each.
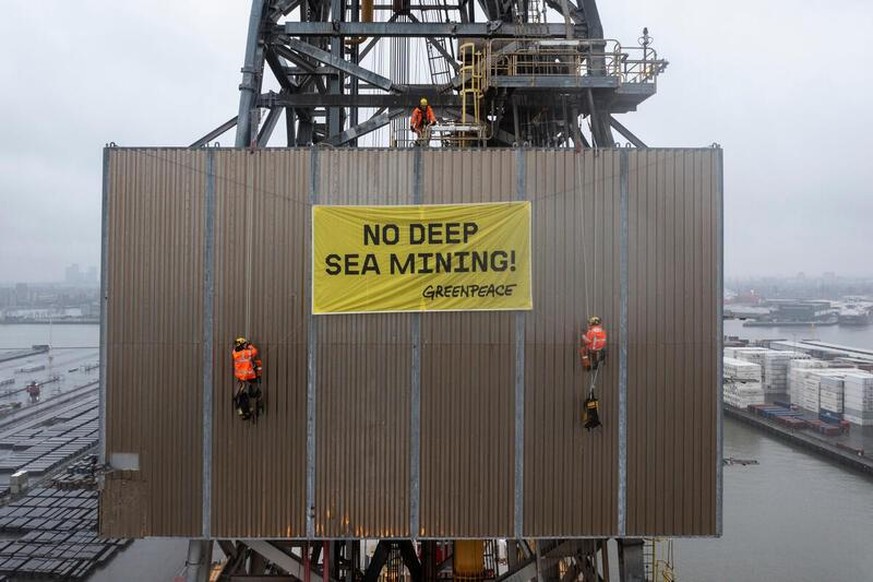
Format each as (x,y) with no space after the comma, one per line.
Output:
(743,462)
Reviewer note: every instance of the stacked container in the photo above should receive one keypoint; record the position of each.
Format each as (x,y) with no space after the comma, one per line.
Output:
(858,400)
(754,355)
(776,370)
(741,370)
(831,394)
(797,372)
(810,398)
(742,383)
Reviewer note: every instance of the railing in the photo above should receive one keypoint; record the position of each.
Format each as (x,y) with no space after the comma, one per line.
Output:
(575,58)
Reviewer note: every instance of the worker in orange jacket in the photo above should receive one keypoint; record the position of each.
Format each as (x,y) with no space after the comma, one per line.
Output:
(421,121)
(247,371)
(592,350)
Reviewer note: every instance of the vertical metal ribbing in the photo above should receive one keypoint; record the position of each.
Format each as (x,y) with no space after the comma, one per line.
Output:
(415,383)
(311,353)
(208,356)
(104,299)
(520,194)
(622,355)
(719,287)
(249,248)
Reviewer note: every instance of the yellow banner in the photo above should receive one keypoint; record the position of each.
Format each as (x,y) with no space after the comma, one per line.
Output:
(458,257)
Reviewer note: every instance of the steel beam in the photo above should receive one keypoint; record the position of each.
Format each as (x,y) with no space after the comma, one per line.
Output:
(565,82)
(410,560)
(260,578)
(450,59)
(380,556)
(335,83)
(492,29)
(199,559)
(251,81)
(375,100)
(288,562)
(304,64)
(626,133)
(372,124)
(631,560)
(601,133)
(281,8)
(218,131)
(527,571)
(341,64)
(281,71)
(269,126)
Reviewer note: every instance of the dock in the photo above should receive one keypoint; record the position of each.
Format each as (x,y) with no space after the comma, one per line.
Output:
(9,355)
(48,517)
(830,451)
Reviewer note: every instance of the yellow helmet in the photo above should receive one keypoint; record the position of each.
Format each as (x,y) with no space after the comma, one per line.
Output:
(240,341)
(593,320)
(423,102)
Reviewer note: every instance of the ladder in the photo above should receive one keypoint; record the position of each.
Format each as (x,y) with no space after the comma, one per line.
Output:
(441,71)
(471,88)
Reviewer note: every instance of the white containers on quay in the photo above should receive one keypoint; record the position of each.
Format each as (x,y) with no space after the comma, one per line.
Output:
(737,369)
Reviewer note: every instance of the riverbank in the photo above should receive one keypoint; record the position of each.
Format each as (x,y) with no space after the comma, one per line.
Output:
(7,356)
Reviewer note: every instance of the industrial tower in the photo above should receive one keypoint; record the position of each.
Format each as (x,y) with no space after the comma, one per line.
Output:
(516,72)
(502,73)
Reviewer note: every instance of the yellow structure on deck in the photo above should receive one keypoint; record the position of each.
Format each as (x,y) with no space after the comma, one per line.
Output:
(469,560)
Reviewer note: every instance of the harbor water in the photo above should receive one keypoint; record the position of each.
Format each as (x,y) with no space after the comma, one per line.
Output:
(793,517)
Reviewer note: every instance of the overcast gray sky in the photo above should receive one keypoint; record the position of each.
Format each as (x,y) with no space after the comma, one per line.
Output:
(783,86)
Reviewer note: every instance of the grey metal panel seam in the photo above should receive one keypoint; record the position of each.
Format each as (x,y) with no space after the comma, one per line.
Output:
(719,342)
(311,353)
(622,354)
(104,284)
(208,315)
(415,399)
(520,194)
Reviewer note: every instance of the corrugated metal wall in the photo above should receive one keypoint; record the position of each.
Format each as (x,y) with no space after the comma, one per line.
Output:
(437,425)
(362,376)
(153,346)
(570,485)
(467,378)
(261,265)
(673,333)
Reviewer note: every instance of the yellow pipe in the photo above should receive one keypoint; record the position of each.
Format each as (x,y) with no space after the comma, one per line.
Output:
(366,16)
(468,559)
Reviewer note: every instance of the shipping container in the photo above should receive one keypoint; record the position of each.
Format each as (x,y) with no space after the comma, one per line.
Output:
(830,417)
(792,422)
(410,425)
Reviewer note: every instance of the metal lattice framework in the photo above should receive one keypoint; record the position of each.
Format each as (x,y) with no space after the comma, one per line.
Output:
(498,73)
